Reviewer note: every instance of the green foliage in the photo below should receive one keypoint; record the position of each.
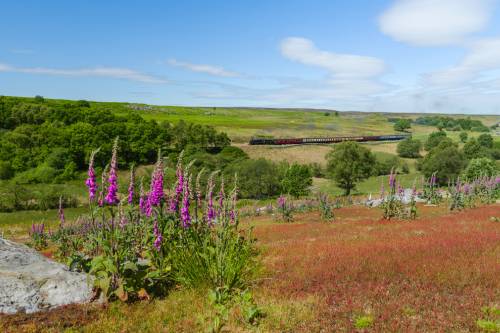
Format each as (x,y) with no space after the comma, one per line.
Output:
(385,163)
(6,171)
(485,140)
(257,179)
(348,163)
(480,167)
(473,149)
(454,124)
(409,148)
(325,207)
(490,321)
(446,160)
(297,180)
(463,136)
(434,139)
(364,321)
(402,125)
(61,134)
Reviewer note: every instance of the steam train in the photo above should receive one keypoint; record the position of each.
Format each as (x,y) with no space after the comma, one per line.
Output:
(300,141)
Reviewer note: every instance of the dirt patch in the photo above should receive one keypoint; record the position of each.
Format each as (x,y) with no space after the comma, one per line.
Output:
(70,316)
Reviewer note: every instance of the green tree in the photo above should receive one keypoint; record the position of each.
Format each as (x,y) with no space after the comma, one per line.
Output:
(434,139)
(402,125)
(485,140)
(446,160)
(6,171)
(297,180)
(348,163)
(463,136)
(257,179)
(473,149)
(479,167)
(409,148)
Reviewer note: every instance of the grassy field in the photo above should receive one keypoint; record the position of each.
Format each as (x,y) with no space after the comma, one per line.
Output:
(357,274)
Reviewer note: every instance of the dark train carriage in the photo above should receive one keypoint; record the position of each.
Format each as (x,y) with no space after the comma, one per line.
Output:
(297,141)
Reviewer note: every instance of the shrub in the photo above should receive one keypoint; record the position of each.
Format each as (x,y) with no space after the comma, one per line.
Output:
(348,163)
(480,167)
(385,163)
(485,140)
(463,136)
(402,125)
(257,179)
(297,180)
(409,148)
(446,161)
(473,149)
(434,139)
(6,171)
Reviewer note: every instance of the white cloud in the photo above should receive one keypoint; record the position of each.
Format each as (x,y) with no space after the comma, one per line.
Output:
(483,56)
(200,68)
(435,22)
(349,75)
(341,65)
(110,72)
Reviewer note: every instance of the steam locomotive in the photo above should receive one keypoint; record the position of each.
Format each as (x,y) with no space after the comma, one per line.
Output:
(299,141)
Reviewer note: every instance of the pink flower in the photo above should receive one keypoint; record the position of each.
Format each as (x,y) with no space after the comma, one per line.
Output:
(112,195)
(91,180)
(158,236)
(62,219)
(185,217)
(131,185)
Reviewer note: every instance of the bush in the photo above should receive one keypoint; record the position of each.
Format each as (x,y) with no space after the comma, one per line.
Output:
(480,167)
(385,163)
(485,140)
(257,179)
(402,125)
(348,163)
(434,139)
(473,149)
(297,180)
(409,148)
(6,171)
(41,174)
(463,136)
(446,160)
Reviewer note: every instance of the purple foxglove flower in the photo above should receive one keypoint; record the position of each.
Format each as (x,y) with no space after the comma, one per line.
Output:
(210,202)
(112,195)
(91,180)
(131,186)
(281,202)
(185,217)
(156,193)
(158,236)
(392,180)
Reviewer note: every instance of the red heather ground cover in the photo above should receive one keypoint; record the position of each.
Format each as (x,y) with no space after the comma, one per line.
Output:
(429,275)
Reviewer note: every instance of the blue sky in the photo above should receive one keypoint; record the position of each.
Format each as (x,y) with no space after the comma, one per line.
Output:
(377,55)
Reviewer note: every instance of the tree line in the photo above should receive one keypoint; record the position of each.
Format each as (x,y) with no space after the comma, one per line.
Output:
(45,141)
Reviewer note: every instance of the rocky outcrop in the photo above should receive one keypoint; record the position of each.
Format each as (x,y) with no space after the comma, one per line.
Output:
(30,282)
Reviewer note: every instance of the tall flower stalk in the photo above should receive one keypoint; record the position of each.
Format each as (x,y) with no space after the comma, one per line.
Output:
(112,195)
(91,177)
(131,185)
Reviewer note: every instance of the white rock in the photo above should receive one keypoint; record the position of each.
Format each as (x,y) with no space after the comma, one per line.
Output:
(30,282)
